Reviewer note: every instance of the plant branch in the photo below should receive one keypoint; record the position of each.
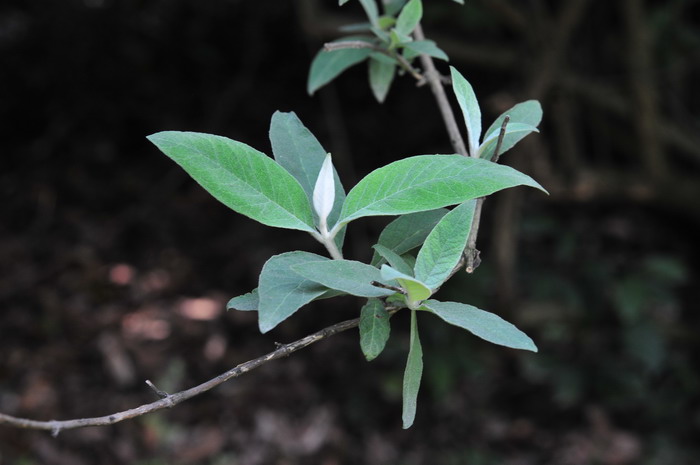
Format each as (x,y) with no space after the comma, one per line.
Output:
(332,46)
(433,77)
(170,400)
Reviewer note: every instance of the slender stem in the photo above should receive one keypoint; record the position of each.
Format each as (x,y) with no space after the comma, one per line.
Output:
(328,242)
(435,82)
(170,400)
(332,46)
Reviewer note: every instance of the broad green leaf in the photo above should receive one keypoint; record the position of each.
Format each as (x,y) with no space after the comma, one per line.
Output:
(408,231)
(326,66)
(381,76)
(300,153)
(444,246)
(416,291)
(470,109)
(427,47)
(514,133)
(394,259)
(528,113)
(409,17)
(370,7)
(246,302)
(374,328)
(412,375)
(427,182)
(385,22)
(282,291)
(240,177)
(343,275)
(485,325)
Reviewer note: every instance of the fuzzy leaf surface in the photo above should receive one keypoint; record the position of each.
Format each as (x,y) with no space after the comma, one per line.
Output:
(371,10)
(348,276)
(427,47)
(466,98)
(416,291)
(409,17)
(374,328)
(394,259)
(242,178)
(326,66)
(407,232)
(381,75)
(282,291)
(524,119)
(444,245)
(412,375)
(486,325)
(246,302)
(427,182)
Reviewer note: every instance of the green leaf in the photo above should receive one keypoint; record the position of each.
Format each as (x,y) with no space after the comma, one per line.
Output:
(326,66)
(412,375)
(427,182)
(246,302)
(444,246)
(240,177)
(397,39)
(470,109)
(485,325)
(528,114)
(408,232)
(374,328)
(391,7)
(370,7)
(381,76)
(386,59)
(300,153)
(427,47)
(416,291)
(514,133)
(282,291)
(394,259)
(409,17)
(344,275)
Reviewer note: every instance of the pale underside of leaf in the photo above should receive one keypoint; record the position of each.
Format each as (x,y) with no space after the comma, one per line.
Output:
(348,276)
(412,375)
(282,291)
(486,325)
(374,328)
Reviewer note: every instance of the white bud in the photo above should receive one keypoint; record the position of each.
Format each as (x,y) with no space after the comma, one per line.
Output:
(324,193)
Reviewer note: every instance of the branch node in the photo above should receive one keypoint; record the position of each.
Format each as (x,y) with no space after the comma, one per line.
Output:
(501,136)
(473,261)
(55,430)
(158,392)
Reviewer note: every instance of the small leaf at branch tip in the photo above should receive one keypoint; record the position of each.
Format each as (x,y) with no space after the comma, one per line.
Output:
(324,192)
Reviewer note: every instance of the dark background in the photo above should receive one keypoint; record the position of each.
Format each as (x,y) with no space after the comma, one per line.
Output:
(115,266)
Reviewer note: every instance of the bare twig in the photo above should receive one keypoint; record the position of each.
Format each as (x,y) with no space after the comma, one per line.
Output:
(332,46)
(435,82)
(170,400)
